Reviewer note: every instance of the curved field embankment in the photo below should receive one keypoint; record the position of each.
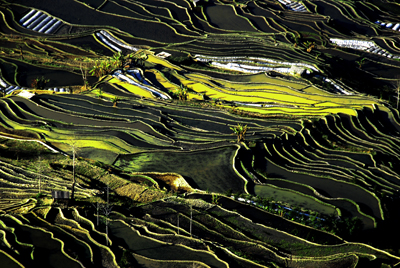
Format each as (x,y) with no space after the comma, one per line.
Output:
(209,169)
(157,90)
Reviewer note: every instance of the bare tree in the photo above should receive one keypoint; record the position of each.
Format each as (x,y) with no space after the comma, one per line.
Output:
(40,169)
(178,222)
(74,151)
(107,188)
(97,207)
(107,209)
(397,86)
(191,218)
(20,51)
(84,77)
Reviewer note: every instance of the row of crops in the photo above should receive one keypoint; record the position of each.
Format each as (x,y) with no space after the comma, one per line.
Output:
(23,184)
(178,231)
(146,139)
(163,176)
(300,46)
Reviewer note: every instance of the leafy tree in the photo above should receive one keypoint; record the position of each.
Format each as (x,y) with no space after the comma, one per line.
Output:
(106,67)
(101,68)
(181,93)
(313,217)
(351,226)
(118,59)
(240,131)
(138,58)
(96,70)
(266,203)
(100,93)
(126,259)
(281,210)
(39,82)
(292,214)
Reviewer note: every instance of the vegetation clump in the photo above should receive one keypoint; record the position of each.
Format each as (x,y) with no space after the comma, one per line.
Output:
(181,93)
(39,82)
(240,131)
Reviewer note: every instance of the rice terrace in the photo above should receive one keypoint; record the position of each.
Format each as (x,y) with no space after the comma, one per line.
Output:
(200,133)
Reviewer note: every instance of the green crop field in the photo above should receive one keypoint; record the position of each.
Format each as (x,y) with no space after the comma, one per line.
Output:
(209,169)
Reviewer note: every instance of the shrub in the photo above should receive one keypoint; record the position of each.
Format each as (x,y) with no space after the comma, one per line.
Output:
(240,131)
(39,82)
(126,259)
(38,195)
(181,93)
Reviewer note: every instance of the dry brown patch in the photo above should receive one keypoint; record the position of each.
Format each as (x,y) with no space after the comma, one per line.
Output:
(175,181)
(140,193)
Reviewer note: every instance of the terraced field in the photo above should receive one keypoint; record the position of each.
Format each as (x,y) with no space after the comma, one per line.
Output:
(199,134)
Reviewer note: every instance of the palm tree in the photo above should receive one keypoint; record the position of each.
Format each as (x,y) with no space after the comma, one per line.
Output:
(240,131)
